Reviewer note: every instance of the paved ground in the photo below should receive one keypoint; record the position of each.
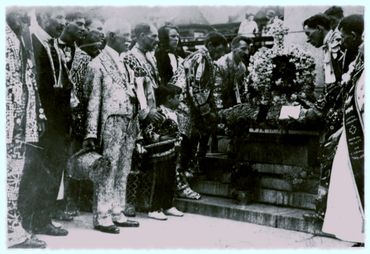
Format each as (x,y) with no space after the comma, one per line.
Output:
(189,232)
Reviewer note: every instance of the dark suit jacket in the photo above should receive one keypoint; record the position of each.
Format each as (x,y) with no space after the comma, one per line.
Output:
(55,101)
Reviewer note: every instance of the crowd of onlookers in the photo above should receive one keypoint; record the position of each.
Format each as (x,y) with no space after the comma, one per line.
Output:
(96,99)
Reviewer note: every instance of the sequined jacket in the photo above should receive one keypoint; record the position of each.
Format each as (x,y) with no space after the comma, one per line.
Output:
(112,93)
(147,78)
(78,75)
(197,77)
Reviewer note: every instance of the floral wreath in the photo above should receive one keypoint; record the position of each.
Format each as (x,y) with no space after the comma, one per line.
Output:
(280,75)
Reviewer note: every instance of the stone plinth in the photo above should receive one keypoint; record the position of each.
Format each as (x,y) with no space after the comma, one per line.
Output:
(294,148)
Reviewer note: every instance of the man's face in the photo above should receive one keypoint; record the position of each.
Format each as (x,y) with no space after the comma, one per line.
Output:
(270,15)
(95,32)
(18,21)
(216,52)
(95,38)
(121,41)
(76,28)
(348,40)
(55,23)
(315,36)
(126,38)
(241,51)
(250,17)
(173,101)
(150,40)
(173,39)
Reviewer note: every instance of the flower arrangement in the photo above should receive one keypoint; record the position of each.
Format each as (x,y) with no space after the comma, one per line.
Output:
(277,30)
(239,116)
(277,76)
(280,75)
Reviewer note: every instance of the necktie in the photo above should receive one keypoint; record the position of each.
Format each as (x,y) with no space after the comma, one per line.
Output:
(55,57)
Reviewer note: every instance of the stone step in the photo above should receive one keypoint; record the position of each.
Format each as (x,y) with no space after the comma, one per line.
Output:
(279,148)
(265,195)
(290,199)
(279,169)
(219,160)
(276,183)
(212,188)
(220,156)
(217,188)
(262,214)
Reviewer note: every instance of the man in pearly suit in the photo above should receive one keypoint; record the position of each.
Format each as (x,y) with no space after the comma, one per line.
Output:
(111,129)
(141,59)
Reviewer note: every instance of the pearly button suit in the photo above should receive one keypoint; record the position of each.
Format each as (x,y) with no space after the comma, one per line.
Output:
(112,121)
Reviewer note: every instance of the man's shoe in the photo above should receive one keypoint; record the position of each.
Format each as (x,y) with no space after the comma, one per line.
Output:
(62,215)
(112,229)
(73,212)
(173,212)
(30,243)
(71,208)
(50,229)
(129,211)
(358,245)
(157,215)
(188,193)
(128,224)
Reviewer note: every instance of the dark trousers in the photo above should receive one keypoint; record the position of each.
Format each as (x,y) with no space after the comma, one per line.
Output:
(34,202)
(199,146)
(187,151)
(163,184)
(41,180)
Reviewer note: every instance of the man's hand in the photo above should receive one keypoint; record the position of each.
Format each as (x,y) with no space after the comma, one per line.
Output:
(89,143)
(155,116)
(140,149)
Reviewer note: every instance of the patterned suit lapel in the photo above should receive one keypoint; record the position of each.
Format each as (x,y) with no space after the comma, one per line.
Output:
(114,71)
(111,68)
(148,63)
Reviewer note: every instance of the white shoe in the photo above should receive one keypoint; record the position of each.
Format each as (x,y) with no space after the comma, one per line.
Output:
(174,212)
(157,215)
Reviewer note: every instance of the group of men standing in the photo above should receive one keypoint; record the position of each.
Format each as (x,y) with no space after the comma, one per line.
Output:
(85,90)
(46,50)
(73,85)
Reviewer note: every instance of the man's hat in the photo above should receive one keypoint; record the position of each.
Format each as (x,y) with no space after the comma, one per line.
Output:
(86,164)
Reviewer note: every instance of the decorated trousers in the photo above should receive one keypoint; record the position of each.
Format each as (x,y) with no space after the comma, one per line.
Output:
(15,166)
(118,142)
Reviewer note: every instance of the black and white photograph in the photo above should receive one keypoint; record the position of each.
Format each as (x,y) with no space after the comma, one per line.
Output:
(184,127)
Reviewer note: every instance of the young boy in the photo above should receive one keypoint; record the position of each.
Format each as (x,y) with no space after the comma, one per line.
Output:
(162,142)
